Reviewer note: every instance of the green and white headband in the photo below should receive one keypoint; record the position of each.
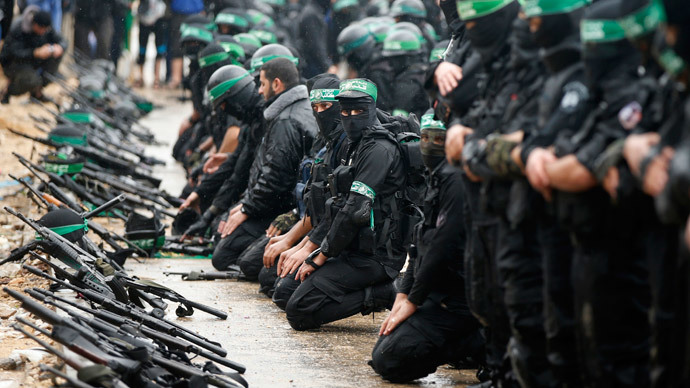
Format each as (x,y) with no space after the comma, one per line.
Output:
(323,95)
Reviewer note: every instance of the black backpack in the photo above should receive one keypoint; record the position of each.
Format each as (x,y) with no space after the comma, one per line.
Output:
(406,131)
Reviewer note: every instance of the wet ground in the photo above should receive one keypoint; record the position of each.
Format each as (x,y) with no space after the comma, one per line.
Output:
(256,332)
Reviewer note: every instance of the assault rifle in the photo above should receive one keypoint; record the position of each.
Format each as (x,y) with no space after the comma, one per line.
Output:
(113,285)
(201,275)
(101,158)
(153,320)
(107,344)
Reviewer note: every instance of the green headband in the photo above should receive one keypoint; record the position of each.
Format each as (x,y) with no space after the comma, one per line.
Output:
(67,229)
(347,47)
(402,45)
(259,18)
(601,31)
(79,117)
(264,36)
(198,33)
(232,19)
(233,48)
(407,10)
(223,87)
(213,58)
(69,139)
(342,4)
(549,7)
(279,3)
(359,85)
(428,122)
(645,20)
(62,168)
(248,39)
(258,62)
(323,95)
(473,9)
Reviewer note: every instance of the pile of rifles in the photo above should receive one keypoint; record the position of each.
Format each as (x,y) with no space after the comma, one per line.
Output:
(113,327)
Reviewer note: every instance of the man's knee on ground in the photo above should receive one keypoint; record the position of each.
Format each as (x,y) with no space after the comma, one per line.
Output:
(298,317)
(224,256)
(404,355)
(284,288)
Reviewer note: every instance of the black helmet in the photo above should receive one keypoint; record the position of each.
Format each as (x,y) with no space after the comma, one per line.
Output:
(401,42)
(410,8)
(249,43)
(212,58)
(233,20)
(198,20)
(276,5)
(68,134)
(357,45)
(233,47)
(65,222)
(227,82)
(260,20)
(62,163)
(411,27)
(268,52)
(146,233)
(193,38)
(265,35)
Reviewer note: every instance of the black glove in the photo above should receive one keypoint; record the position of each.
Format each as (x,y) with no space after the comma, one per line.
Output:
(200,227)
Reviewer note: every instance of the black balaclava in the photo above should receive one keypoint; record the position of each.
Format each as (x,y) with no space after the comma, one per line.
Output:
(554,29)
(559,39)
(356,126)
(608,61)
(433,141)
(328,120)
(450,11)
(522,46)
(490,33)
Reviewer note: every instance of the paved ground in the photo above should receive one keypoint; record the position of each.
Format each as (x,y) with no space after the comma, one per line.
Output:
(256,332)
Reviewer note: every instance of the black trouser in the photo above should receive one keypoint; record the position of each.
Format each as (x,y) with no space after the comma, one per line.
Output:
(229,249)
(335,291)
(282,288)
(29,77)
(103,29)
(664,275)
(252,259)
(431,337)
(519,263)
(160,32)
(612,298)
(484,292)
(559,309)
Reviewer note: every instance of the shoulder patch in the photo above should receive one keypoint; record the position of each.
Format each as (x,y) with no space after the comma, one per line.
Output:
(630,115)
(574,94)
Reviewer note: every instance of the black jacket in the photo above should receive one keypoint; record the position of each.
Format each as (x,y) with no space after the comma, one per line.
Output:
(93,12)
(290,133)
(438,269)
(375,165)
(19,46)
(312,35)
(318,192)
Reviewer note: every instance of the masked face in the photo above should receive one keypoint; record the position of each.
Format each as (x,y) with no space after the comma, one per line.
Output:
(433,147)
(327,115)
(357,115)
(523,48)
(489,33)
